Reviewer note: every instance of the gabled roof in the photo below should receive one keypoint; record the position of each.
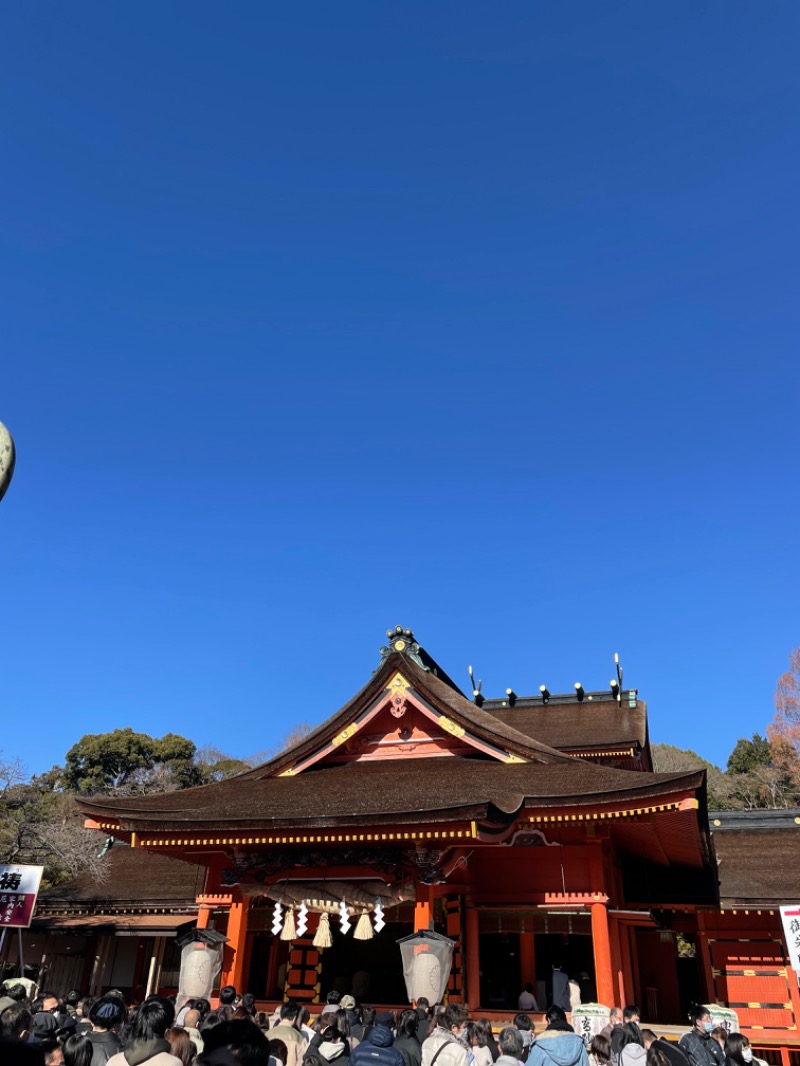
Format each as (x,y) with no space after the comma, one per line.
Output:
(481,768)
(439,694)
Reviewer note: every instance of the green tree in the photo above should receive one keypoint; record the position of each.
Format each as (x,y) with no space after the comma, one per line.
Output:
(215,765)
(669,759)
(126,763)
(748,755)
(759,774)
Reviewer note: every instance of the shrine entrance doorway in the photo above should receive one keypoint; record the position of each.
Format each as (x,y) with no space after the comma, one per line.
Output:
(370,970)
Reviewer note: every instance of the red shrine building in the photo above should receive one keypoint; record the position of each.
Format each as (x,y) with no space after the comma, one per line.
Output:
(529,830)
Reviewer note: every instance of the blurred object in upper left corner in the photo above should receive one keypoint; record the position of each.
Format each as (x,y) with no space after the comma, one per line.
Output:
(8,457)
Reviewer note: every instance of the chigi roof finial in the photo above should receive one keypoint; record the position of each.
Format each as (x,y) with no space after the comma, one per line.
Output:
(616,685)
(402,640)
(477,695)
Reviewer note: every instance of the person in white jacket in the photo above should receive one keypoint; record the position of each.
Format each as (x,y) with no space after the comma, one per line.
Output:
(446,1045)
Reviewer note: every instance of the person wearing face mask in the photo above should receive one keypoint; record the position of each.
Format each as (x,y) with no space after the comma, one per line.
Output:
(446,1045)
(738,1051)
(698,1045)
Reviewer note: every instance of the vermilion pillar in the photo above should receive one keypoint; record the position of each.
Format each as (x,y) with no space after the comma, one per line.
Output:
(602,954)
(601,940)
(473,958)
(423,910)
(233,956)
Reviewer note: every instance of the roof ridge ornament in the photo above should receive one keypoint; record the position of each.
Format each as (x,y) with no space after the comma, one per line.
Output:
(402,640)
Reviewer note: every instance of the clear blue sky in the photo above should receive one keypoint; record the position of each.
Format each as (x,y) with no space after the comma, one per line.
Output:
(318,318)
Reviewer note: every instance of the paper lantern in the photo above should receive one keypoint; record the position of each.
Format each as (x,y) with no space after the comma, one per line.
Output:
(427,960)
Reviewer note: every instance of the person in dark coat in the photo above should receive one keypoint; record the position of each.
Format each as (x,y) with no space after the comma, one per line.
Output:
(737,1050)
(631,1049)
(147,1044)
(614,1020)
(106,1015)
(630,1015)
(378,1049)
(76,1048)
(332,1046)
(44,1026)
(361,1029)
(557,987)
(698,1045)
(407,1041)
(666,1047)
(423,1008)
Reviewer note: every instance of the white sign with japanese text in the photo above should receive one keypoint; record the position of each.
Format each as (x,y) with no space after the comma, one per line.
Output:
(590,1019)
(19,887)
(723,1017)
(790,916)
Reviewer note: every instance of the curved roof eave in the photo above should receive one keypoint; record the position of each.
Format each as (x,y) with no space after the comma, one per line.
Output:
(426,788)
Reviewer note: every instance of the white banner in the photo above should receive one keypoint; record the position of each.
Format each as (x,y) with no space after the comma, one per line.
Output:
(790,916)
(19,887)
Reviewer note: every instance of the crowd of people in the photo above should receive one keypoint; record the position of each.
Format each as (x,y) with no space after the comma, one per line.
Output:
(51,1030)
(624,1043)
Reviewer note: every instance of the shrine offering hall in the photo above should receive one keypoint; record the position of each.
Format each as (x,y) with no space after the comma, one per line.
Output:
(528,830)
